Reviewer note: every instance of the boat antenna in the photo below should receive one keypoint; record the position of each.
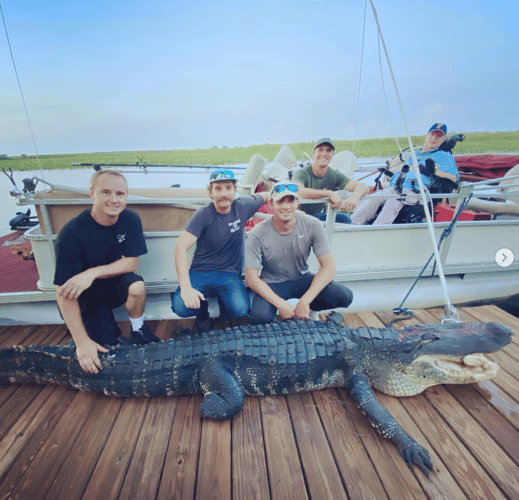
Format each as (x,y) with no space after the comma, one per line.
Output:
(20,87)
(385,95)
(360,78)
(450,311)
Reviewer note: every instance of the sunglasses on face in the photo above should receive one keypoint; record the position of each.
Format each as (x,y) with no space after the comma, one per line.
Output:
(289,187)
(221,174)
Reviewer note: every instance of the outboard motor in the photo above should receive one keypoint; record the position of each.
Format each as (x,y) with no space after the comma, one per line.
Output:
(23,221)
(29,185)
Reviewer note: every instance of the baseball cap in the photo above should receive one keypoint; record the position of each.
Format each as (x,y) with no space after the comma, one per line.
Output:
(324,140)
(439,126)
(284,188)
(221,174)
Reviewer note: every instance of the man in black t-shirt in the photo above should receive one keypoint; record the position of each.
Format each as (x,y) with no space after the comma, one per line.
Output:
(97,253)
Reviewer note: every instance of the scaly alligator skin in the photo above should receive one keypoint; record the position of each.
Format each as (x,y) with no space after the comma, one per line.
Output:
(280,358)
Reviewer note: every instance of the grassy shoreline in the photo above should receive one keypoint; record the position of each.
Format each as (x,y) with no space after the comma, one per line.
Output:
(475,142)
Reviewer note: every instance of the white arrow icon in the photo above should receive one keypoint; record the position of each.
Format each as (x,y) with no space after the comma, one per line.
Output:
(504,257)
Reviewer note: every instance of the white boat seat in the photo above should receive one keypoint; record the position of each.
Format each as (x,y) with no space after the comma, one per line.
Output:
(252,174)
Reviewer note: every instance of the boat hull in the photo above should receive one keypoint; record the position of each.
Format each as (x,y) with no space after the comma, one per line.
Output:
(378,263)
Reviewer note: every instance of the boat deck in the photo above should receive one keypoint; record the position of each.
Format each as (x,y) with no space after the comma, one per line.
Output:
(57,443)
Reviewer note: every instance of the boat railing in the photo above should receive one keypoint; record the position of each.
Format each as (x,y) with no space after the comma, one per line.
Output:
(470,195)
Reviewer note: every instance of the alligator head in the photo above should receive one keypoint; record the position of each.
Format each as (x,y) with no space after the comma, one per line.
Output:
(448,355)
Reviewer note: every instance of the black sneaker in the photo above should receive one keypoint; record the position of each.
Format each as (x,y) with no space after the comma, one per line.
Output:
(143,335)
(202,324)
(124,341)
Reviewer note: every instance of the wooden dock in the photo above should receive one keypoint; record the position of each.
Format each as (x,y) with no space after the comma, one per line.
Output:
(60,444)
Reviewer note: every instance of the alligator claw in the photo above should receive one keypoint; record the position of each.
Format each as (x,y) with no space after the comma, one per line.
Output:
(415,454)
(335,317)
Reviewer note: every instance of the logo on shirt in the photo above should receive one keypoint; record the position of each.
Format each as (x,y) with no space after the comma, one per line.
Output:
(234,226)
(121,237)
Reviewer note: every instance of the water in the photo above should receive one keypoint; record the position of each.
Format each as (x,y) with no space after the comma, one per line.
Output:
(188,178)
(80,178)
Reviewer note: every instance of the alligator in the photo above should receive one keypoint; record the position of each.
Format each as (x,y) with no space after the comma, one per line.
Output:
(280,358)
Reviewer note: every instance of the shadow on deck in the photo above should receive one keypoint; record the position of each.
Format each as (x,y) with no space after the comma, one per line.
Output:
(60,444)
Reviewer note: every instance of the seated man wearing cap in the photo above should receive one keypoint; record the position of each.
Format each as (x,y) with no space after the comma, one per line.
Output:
(218,231)
(442,165)
(318,180)
(280,247)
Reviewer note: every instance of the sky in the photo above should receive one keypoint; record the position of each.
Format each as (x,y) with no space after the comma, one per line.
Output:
(102,75)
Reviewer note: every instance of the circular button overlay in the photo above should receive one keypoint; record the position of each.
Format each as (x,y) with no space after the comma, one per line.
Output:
(504,257)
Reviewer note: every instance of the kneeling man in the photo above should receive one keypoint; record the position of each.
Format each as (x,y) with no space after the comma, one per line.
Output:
(280,247)
(97,253)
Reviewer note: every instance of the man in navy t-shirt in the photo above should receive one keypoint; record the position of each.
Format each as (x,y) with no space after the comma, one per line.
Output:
(97,253)
(218,231)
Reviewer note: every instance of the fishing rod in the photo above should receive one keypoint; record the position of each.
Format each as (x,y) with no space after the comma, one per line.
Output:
(98,166)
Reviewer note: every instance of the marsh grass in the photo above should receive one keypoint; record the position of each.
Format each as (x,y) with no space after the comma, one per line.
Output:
(475,142)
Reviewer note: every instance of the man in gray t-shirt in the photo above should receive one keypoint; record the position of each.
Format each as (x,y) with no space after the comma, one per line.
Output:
(280,248)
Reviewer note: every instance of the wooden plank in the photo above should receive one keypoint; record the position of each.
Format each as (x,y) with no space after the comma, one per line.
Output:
(441,483)
(453,454)
(284,468)
(500,400)
(494,313)
(24,438)
(77,469)
(180,466)
(6,391)
(507,378)
(321,474)
(398,481)
(143,475)
(13,407)
(317,446)
(477,447)
(19,396)
(33,479)
(214,466)
(16,335)
(48,334)
(33,334)
(355,467)
(494,424)
(110,471)
(249,463)
(493,459)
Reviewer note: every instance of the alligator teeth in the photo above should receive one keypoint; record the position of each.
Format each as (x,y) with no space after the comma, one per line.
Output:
(481,364)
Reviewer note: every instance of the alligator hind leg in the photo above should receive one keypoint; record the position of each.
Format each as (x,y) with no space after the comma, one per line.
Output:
(223,395)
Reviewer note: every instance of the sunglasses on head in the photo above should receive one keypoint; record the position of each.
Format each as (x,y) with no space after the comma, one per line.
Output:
(221,174)
(289,187)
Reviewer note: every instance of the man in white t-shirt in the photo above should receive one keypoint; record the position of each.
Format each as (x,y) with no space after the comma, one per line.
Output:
(280,248)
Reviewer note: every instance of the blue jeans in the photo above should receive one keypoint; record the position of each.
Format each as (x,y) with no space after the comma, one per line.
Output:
(340,217)
(227,287)
(332,296)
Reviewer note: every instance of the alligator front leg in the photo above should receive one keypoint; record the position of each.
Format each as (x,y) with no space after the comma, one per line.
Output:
(413,453)
(223,395)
